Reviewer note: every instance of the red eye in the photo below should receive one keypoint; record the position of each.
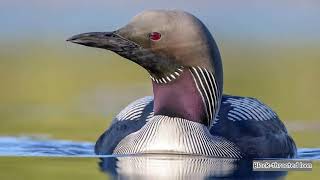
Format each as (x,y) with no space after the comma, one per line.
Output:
(155,36)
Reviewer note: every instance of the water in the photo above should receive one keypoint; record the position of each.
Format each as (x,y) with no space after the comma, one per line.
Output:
(28,146)
(42,147)
(137,166)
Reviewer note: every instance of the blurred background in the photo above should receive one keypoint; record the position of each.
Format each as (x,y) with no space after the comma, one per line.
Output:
(50,87)
(56,89)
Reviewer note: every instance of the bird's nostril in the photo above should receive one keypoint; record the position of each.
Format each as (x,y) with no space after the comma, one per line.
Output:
(109,34)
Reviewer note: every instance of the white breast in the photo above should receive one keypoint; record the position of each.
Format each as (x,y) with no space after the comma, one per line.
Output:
(163,134)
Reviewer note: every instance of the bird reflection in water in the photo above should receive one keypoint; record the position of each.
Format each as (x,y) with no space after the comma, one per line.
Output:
(166,166)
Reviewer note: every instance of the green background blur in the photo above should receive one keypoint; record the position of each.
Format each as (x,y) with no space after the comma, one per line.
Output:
(55,89)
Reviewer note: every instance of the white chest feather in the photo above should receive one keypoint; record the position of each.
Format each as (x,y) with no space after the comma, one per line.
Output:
(164,134)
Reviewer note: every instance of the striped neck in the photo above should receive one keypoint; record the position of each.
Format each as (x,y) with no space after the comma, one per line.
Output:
(209,90)
(193,94)
(168,77)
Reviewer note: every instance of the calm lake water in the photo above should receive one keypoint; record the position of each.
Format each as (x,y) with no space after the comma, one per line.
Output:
(61,158)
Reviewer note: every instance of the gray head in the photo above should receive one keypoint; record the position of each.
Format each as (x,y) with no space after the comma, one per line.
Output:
(165,43)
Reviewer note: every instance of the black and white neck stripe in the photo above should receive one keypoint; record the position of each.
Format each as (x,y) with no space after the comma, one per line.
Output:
(168,77)
(209,90)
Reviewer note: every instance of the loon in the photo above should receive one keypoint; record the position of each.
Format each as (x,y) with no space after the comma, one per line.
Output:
(188,112)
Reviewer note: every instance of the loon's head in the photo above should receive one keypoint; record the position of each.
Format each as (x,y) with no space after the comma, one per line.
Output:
(180,55)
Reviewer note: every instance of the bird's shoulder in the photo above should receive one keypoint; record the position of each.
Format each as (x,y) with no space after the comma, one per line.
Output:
(248,113)
(140,109)
(237,108)
(253,126)
(128,120)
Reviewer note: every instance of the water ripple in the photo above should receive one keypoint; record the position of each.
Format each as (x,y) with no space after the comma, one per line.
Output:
(31,147)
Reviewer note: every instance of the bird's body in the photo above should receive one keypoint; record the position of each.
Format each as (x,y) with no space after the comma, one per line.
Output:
(188,113)
(252,126)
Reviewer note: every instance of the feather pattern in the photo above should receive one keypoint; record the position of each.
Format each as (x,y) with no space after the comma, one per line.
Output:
(209,90)
(135,109)
(163,134)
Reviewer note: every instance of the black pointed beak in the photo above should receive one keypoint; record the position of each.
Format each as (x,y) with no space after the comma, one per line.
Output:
(106,40)
(89,36)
